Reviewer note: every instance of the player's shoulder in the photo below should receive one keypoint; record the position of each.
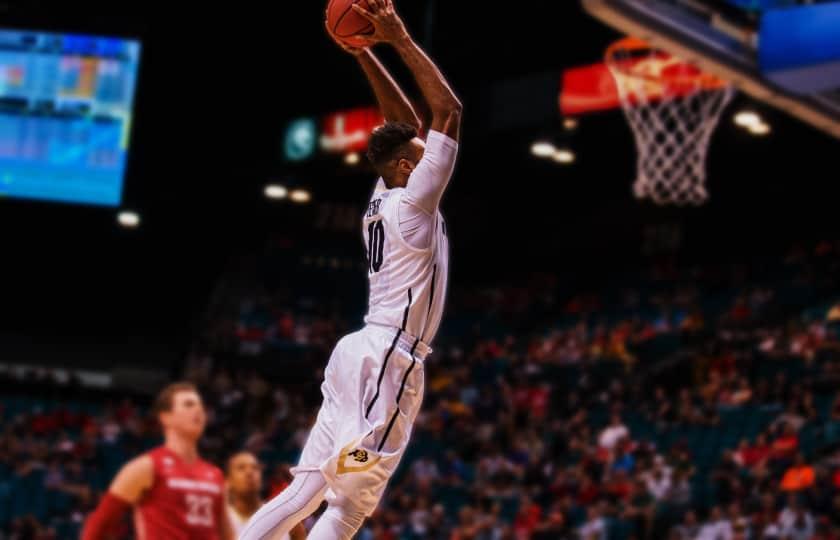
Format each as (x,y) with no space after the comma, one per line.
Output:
(160,455)
(146,460)
(156,452)
(135,477)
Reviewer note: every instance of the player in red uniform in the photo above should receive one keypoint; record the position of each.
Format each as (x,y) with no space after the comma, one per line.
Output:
(175,494)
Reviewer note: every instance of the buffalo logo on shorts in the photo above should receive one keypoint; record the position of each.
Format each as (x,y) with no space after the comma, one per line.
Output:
(355,460)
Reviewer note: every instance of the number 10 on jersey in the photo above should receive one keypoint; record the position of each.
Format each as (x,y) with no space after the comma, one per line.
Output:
(376,244)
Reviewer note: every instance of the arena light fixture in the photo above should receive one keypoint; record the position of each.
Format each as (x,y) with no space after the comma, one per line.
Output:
(276,191)
(543,149)
(300,196)
(128,219)
(564,156)
(352,159)
(760,129)
(747,119)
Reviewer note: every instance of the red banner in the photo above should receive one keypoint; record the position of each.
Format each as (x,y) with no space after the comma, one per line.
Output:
(349,131)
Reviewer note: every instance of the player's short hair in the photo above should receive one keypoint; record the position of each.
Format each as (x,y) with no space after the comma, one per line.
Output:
(165,400)
(233,456)
(388,140)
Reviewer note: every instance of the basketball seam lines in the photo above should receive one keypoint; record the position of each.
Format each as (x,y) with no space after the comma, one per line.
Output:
(338,23)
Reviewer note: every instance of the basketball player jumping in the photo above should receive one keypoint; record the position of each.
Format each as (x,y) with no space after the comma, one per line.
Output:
(373,383)
(175,494)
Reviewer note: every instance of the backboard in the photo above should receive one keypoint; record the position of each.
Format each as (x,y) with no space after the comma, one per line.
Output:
(739,41)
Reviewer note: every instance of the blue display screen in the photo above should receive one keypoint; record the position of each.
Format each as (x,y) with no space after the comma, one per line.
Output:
(66,106)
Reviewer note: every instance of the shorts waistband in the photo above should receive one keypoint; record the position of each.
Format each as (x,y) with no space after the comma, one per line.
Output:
(406,342)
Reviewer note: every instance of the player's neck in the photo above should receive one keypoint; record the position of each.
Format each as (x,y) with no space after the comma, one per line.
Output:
(183,448)
(246,505)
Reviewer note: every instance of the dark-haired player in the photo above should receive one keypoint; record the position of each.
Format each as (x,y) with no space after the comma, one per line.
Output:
(244,476)
(373,383)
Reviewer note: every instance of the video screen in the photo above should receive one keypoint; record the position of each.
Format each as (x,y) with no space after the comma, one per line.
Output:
(66,104)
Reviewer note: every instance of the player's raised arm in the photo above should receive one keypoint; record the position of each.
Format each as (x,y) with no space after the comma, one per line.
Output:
(125,491)
(389,28)
(394,104)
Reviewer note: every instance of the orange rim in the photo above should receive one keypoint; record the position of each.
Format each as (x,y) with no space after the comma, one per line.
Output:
(631,44)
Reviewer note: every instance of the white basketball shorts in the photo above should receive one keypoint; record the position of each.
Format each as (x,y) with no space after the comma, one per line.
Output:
(372,390)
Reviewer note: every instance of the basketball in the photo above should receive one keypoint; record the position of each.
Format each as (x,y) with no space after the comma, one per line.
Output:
(346,24)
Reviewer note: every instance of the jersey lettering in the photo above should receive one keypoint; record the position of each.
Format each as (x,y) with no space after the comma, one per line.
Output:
(199,510)
(376,246)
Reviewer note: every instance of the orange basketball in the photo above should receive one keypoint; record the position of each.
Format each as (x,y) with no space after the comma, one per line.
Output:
(346,24)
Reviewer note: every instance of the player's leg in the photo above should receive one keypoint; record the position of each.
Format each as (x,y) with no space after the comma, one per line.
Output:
(297,502)
(338,522)
(306,492)
(359,473)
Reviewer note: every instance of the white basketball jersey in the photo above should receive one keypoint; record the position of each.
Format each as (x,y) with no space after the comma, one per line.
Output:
(407,284)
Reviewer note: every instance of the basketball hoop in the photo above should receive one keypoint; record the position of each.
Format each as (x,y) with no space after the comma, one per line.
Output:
(673,108)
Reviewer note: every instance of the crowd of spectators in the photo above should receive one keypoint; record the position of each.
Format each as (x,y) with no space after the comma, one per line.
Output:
(689,403)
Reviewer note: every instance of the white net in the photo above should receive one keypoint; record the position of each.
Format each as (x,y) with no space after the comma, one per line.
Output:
(673,109)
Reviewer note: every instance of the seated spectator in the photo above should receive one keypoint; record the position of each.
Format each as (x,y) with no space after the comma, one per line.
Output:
(619,487)
(766,512)
(799,477)
(527,518)
(640,510)
(553,527)
(738,521)
(742,394)
(613,433)
(595,527)
(741,453)
(624,458)
(800,526)
(784,448)
(791,417)
(789,513)
(716,527)
(689,528)
(659,483)
(680,493)
(588,492)
(755,455)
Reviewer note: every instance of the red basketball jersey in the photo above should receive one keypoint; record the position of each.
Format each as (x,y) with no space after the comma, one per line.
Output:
(185,502)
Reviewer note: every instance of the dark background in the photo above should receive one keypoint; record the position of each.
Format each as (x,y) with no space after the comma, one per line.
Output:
(218,85)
